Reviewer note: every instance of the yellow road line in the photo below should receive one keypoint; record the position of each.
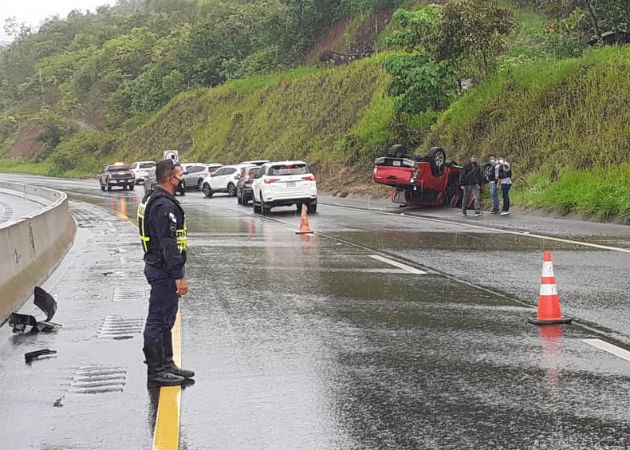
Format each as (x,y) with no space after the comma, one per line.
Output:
(166,436)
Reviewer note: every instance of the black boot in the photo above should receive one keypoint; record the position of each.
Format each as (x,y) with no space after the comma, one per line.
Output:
(169,364)
(157,375)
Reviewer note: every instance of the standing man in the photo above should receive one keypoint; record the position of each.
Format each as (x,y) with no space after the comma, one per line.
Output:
(163,232)
(470,180)
(494,192)
(503,175)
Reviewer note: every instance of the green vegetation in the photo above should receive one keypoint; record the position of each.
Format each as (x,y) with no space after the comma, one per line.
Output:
(601,193)
(569,114)
(311,113)
(22,166)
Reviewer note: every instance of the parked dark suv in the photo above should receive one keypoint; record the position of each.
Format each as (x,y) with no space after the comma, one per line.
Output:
(244,186)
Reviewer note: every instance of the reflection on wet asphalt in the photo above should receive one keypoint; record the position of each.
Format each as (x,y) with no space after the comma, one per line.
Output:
(316,345)
(307,342)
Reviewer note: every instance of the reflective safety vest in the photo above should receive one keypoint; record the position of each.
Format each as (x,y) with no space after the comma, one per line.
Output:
(143,212)
(182,238)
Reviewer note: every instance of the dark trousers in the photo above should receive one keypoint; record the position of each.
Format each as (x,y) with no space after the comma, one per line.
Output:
(163,303)
(505,190)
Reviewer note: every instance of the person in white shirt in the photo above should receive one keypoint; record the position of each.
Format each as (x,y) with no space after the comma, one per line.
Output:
(503,175)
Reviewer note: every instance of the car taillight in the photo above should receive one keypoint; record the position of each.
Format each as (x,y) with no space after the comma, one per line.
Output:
(309,178)
(132,174)
(271,180)
(109,175)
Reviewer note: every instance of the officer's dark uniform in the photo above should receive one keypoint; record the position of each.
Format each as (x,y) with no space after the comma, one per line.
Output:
(162,225)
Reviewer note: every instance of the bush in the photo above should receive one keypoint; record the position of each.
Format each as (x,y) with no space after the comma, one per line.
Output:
(563,45)
(85,152)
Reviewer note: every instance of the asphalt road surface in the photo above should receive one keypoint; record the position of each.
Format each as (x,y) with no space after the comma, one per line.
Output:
(389,328)
(14,206)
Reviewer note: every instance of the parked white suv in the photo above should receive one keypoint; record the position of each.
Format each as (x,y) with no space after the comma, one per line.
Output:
(284,183)
(223,180)
(141,170)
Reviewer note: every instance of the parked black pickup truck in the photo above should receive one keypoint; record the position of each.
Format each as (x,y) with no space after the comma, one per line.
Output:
(117,175)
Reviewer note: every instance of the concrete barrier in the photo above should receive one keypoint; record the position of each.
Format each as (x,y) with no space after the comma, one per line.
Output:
(33,246)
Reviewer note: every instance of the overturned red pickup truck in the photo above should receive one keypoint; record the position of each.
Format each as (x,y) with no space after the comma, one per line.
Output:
(419,180)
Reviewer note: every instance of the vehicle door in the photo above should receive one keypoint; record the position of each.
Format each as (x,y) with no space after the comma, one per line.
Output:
(192,172)
(221,178)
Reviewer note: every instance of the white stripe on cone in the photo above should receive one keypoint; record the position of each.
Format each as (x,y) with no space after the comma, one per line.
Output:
(548,289)
(547,269)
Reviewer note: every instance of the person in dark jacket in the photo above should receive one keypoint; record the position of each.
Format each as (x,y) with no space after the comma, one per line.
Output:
(163,232)
(470,180)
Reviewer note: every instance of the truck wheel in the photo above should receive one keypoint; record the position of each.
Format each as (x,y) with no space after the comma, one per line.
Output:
(437,158)
(109,187)
(132,186)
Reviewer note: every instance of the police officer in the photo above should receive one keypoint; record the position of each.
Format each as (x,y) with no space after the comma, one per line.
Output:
(163,231)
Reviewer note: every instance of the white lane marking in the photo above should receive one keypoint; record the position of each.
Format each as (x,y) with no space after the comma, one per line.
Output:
(399,265)
(617,351)
(499,230)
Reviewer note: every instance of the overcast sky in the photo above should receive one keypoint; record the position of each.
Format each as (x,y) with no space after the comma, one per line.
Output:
(33,12)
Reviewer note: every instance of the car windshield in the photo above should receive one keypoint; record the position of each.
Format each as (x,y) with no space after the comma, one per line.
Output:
(288,169)
(116,168)
(146,165)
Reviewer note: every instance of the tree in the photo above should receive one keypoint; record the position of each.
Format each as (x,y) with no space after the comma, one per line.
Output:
(420,83)
(418,80)
(418,29)
(473,28)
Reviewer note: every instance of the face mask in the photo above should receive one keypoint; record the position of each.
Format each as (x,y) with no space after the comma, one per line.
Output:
(501,161)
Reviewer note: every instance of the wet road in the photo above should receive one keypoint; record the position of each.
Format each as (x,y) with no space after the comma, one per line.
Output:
(15,206)
(318,342)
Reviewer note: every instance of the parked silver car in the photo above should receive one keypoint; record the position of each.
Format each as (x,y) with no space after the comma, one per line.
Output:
(151,182)
(194,174)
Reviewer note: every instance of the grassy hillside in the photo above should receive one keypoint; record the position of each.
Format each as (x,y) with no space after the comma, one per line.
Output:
(553,119)
(338,119)
(300,114)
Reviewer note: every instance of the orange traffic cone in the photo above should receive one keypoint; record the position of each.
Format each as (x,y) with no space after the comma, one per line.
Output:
(548,302)
(304,227)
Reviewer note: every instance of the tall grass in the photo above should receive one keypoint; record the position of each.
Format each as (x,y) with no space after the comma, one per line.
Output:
(603,193)
(24,166)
